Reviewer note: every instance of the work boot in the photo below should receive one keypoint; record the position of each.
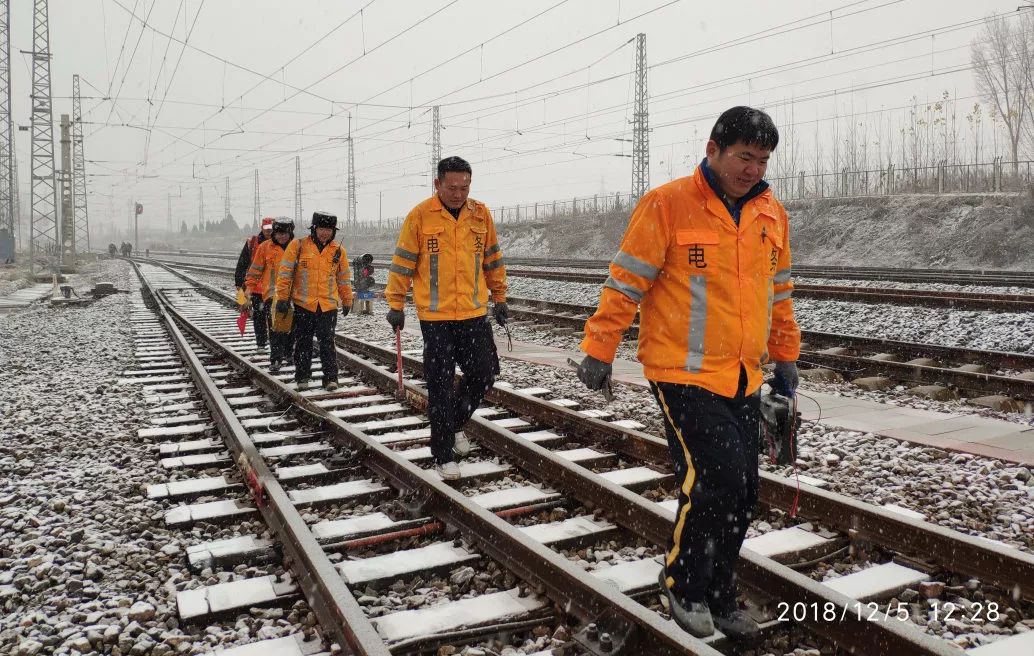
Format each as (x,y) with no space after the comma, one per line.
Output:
(695,620)
(302,384)
(449,471)
(462,445)
(738,625)
(274,367)
(331,386)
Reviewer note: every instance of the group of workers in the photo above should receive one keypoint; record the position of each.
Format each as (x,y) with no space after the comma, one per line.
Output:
(125,249)
(705,262)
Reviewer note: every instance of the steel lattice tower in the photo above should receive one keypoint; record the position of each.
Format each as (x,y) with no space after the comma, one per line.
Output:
(168,213)
(200,208)
(641,124)
(436,144)
(43,227)
(8,186)
(82,217)
(298,190)
(351,218)
(257,218)
(226,199)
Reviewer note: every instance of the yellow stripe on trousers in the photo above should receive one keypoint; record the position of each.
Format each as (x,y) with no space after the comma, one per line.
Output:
(687,485)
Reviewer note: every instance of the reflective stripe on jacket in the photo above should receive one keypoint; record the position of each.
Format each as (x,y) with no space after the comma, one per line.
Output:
(310,277)
(712,297)
(452,264)
(261,276)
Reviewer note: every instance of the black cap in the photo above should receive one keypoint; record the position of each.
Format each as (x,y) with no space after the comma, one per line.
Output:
(324,220)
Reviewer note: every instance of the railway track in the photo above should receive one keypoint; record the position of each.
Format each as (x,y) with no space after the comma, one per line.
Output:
(990,278)
(912,297)
(604,484)
(973,373)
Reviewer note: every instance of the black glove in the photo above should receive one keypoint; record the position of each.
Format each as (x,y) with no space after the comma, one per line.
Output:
(397,319)
(345,309)
(501,313)
(283,307)
(786,378)
(593,373)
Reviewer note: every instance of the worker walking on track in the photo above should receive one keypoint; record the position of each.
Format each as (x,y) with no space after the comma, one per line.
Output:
(314,276)
(706,259)
(448,251)
(260,285)
(259,321)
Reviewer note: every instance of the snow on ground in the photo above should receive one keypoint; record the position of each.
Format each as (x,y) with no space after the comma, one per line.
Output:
(86,564)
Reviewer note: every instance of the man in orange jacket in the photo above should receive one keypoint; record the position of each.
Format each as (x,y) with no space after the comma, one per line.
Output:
(706,260)
(260,285)
(259,320)
(314,276)
(448,251)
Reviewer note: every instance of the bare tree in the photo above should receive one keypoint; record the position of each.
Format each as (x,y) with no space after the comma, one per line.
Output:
(1025,55)
(1002,64)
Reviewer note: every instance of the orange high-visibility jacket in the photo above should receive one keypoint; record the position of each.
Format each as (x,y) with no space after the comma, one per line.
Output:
(310,277)
(712,296)
(261,276)
(451,263)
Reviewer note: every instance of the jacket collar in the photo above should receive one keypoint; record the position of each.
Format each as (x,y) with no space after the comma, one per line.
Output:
(438,206)
(707,182)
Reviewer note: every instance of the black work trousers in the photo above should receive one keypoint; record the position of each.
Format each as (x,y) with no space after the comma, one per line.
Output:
(261,319)
(319,324)
(281,346)
(469,344)
(713,442)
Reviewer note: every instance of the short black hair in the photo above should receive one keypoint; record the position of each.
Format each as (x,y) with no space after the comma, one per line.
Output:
(453,164)
(745,124)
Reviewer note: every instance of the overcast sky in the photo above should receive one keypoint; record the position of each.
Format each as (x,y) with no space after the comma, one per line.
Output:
(537,94)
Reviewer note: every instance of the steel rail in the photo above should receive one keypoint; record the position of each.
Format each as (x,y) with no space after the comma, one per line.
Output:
(554,576)
(339,614)
(646,518)
(623,507)
(1005,567)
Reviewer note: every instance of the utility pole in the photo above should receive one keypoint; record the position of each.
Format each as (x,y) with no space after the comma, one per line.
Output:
(8,186)
(79,211)
(298,190)
(200,208)
(67,231)
(351,217)
(168,213)
(226,200)
(436,144)
(257,218)
(43,226)
(641,125)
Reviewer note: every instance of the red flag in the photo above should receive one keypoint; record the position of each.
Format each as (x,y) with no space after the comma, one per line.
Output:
(242,321)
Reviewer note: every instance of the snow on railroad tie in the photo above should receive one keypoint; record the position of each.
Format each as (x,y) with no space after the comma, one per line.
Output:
(391,566)
(1021,644)
(570,404)
(877,582)
(294,449)
(352,401)
(207,512)
(384,424)
(199,461)
(347,491)
(370,411)
(585,456)
(177,420)
(789,542)
(150,380)
(169,449)
(190,486)
(513,497)
(229,550)
(635,476)
(301,472)
(631,576)
(293,645)
(174,431)
(453,615)
(222,598)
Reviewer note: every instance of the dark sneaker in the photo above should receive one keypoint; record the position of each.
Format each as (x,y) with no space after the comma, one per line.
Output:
(274,367)
(695,620)
(331,386)
(738,625)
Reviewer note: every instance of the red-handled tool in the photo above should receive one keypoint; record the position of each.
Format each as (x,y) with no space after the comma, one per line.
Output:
(401,391)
